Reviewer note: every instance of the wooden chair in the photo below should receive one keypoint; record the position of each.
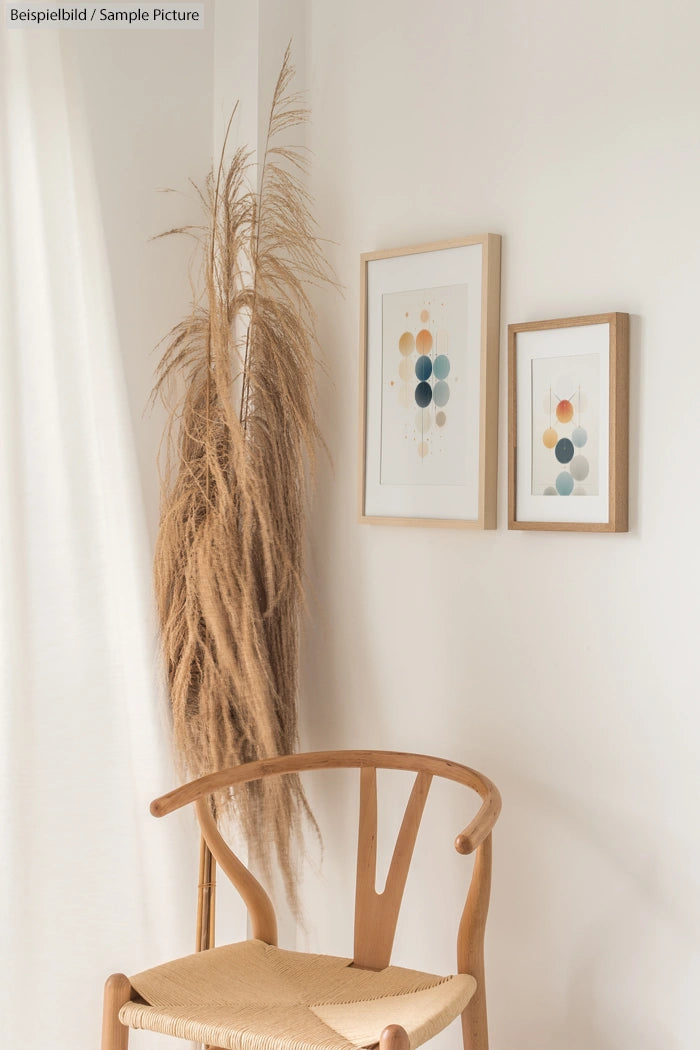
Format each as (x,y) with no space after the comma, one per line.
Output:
(255,996)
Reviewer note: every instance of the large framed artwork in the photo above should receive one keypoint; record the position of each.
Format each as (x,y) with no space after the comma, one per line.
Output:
(568,383)
(429,384)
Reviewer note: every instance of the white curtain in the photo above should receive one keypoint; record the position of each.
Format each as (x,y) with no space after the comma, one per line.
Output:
(91,884)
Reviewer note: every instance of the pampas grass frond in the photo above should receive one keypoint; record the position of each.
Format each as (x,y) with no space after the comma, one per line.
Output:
(240,454)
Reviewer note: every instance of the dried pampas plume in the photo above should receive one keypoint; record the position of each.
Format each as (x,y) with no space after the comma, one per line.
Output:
(241,443)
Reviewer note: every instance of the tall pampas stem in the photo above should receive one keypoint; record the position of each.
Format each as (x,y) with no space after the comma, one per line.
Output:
(238,376)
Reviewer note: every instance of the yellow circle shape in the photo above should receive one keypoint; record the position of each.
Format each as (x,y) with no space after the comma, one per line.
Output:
(423,449)
(407,343)
(550,437)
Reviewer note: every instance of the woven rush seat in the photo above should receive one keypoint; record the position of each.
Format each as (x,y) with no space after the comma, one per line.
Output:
(254,996)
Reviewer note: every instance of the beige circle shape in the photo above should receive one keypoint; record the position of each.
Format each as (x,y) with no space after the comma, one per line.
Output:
(579,468)
(406,370)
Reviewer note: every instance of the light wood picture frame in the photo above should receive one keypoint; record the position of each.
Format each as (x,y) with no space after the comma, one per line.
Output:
(568,394)
(429,326)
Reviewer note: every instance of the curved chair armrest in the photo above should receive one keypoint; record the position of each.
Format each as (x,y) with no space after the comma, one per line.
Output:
(480,827)
(226,778)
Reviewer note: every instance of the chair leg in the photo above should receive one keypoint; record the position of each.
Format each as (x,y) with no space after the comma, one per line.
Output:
(475,1032)
(394,1037)
(115,1035)
(470,949)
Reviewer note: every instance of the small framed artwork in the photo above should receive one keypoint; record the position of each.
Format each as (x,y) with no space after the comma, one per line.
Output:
(568,385)
(429,384)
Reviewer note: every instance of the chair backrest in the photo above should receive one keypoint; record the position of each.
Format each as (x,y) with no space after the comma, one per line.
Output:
(376,914)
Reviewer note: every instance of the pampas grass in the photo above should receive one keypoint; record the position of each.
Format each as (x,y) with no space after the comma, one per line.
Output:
(241,446)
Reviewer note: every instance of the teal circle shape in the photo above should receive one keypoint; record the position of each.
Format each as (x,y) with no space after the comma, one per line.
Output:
(424,395)
(441,368)
(564,483)
(579,437)
(424,367)
(441,394)
(564,450)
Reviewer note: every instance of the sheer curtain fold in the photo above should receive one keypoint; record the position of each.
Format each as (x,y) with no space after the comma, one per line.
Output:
(91,882)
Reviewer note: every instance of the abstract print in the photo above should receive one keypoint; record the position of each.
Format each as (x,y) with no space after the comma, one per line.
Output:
(565,426)
(423,390)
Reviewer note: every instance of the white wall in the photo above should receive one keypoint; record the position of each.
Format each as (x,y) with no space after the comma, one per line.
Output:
(565,666)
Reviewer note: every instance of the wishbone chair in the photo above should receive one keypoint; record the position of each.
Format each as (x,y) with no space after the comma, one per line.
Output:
(256,996)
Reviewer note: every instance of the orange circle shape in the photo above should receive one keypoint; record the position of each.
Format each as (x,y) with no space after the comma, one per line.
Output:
(550,437)
(565,411)
(424,341)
